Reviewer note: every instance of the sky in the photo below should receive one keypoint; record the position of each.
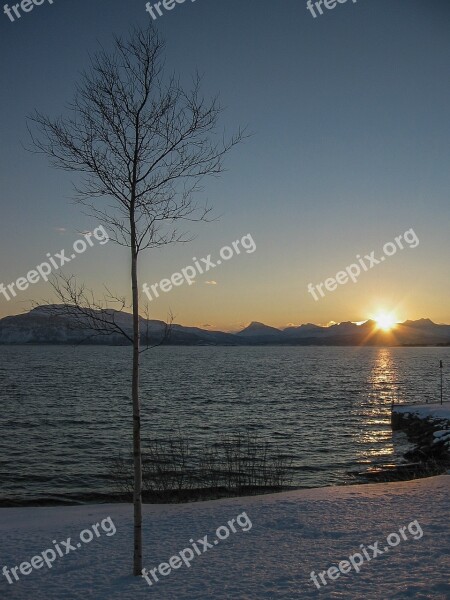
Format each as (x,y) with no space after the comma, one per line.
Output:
(349,114)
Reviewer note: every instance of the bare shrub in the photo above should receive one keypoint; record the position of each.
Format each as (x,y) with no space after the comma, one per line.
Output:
(233,465)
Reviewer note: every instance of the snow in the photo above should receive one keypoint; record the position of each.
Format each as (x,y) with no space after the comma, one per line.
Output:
(424,411)
(292,534)
(442,435)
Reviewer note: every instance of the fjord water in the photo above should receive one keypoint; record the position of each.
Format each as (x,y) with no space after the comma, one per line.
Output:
(66,411)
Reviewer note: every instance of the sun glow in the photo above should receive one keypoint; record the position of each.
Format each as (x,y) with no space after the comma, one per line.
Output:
(385,321)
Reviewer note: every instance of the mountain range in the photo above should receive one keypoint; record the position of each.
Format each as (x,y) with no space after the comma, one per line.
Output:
(50,325)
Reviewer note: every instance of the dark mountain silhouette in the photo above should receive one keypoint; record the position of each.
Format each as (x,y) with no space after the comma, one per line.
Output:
(48,325)
(259,329)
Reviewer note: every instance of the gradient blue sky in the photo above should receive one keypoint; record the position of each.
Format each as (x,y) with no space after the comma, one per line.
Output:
(350,114)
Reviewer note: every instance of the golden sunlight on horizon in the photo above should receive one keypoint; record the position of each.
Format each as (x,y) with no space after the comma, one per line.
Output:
(385,321)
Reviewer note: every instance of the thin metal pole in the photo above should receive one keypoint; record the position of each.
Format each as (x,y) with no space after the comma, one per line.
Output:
(440,368)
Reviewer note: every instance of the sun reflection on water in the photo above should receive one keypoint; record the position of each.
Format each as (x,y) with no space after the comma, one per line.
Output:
(384,378)
(374,442)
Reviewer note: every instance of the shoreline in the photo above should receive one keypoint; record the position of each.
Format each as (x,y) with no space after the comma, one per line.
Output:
(98,499)
(427,427)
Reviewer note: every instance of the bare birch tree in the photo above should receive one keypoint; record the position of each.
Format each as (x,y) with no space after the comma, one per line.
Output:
(142,144)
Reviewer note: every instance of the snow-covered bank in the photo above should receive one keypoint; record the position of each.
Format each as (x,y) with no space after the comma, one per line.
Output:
(429,426)
(292,534)
(434,412)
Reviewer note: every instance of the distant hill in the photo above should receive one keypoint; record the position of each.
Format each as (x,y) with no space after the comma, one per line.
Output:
(47,325)
(259,330)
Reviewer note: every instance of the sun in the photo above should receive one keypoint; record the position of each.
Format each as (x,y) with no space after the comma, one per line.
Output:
(385,321)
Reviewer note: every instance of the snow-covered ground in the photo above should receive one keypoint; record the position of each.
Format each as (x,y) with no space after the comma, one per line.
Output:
(291,535)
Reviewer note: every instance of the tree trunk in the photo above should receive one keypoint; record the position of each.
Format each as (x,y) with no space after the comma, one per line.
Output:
(137,496)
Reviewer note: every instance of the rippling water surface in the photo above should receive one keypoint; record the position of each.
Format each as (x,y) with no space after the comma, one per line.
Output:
(65,411)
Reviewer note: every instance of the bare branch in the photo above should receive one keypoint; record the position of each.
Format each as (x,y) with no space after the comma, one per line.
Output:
(82,311)
(139,139)
(166,333)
